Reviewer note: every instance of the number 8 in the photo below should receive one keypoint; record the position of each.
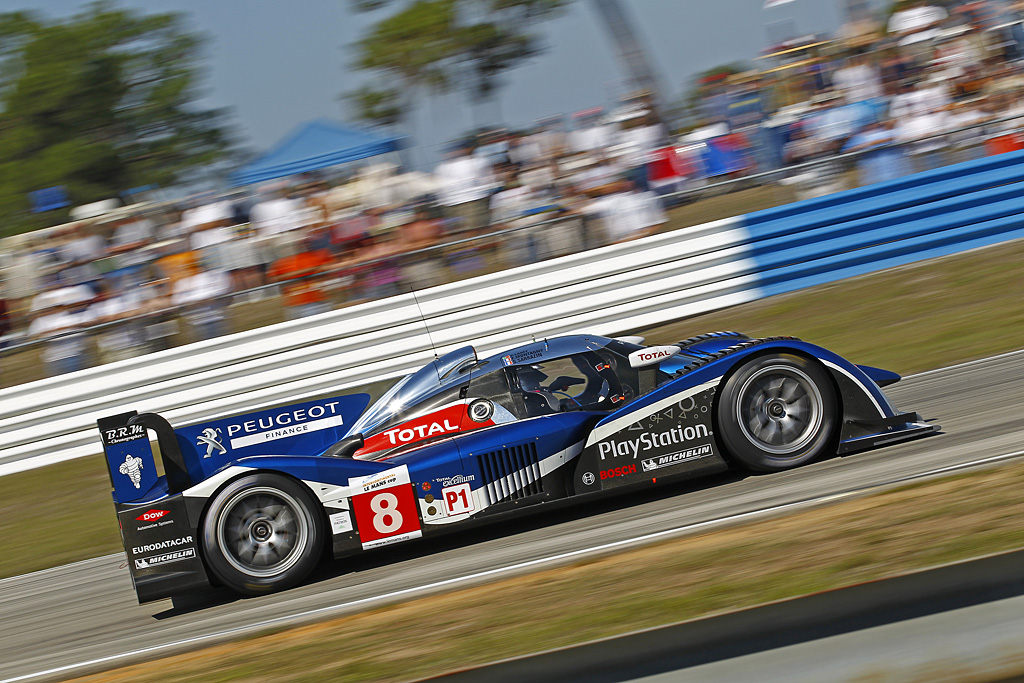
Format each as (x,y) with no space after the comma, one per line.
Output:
(385,506)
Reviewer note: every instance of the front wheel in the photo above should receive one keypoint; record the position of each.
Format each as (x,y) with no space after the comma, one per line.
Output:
(777,411)
(262,533)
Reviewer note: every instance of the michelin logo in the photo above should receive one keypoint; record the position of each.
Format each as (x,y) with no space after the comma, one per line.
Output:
(132,468)
(211,439)
(682,456)
(147,562)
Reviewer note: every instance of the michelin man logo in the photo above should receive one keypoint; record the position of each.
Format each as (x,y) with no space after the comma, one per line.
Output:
(211,438)
(132,468)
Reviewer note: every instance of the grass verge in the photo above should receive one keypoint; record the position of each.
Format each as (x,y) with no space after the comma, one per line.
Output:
(907,319)
(899,530)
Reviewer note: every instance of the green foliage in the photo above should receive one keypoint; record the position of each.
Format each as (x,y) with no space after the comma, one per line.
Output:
(380,107)
(430,46)
(100,102)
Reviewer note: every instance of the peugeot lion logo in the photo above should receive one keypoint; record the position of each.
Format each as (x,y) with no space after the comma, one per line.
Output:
(210,437)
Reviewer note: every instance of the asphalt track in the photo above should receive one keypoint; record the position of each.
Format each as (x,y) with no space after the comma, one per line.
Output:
(58,619)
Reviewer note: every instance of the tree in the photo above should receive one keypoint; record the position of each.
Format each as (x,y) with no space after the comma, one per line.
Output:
(377,106)
(429,46)
(100,102)
(411,49)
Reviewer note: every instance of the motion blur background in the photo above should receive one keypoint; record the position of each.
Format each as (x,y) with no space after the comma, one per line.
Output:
(172,177)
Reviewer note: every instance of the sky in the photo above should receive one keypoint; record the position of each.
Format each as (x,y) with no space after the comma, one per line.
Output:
(277,64)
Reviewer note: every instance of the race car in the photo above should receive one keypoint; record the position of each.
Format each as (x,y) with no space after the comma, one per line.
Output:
(253,502)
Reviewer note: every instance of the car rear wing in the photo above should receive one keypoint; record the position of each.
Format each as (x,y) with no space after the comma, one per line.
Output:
(130,461)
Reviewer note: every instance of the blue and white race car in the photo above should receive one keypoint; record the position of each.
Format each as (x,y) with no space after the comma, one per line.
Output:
(255,501)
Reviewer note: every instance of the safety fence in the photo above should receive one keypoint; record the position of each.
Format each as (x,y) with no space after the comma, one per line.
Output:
(610,290)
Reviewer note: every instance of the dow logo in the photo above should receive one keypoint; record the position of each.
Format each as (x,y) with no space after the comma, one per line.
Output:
(151,515)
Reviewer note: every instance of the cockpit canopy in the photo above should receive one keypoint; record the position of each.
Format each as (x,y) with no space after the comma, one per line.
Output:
(413,388)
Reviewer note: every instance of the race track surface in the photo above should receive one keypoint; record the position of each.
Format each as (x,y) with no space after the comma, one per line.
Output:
(87,611)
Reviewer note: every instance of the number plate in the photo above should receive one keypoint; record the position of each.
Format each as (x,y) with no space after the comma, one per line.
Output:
(385,508)
(458,499)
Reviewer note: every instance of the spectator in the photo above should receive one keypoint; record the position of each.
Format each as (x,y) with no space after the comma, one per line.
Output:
(921,129)
(626,212)
(305,296)
(114,305)
(350,229)
(199,295)
(914,25)
(641,134)
(464,185)
(422,270)
(881,159)
(817,180)
(274,219)
(247,260)
(59,317)
(493,148)
(161,324)
(213,244)
(511,202)
(831,124)
(131,237)
(592,135)
(24,279)
(382,278)
(56,294)
(524,151)
(858,81)
(964,146)
(82,248)
(275,214)
(549,138)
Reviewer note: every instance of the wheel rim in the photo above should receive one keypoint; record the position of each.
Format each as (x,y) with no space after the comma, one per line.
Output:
(262,531)
(780,409)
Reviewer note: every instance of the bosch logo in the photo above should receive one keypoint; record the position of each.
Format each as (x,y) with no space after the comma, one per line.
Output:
(151,515)
(618,472)
(481,411)
(589,478)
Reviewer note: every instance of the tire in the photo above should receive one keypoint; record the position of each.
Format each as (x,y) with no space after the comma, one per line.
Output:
(776,412)
(262,533)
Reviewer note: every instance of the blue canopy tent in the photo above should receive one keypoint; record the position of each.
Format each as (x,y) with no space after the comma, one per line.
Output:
(315,145)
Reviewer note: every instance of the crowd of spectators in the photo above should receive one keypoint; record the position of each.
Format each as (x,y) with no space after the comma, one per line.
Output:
(145,277)
(899,92)
(142,278)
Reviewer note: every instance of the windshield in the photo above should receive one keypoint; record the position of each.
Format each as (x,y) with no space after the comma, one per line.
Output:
(412,389)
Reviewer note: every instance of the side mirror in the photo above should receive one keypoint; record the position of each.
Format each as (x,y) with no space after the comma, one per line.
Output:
(347,447)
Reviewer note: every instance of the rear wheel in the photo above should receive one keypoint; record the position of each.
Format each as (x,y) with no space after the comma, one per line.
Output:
(262,533)
(777,411)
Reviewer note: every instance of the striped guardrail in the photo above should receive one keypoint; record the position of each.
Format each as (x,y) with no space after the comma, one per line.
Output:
(610,290)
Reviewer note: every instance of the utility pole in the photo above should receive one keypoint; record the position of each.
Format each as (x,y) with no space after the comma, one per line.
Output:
(630,52)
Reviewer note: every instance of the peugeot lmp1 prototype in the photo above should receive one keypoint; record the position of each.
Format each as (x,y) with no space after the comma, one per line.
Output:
(254,501)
